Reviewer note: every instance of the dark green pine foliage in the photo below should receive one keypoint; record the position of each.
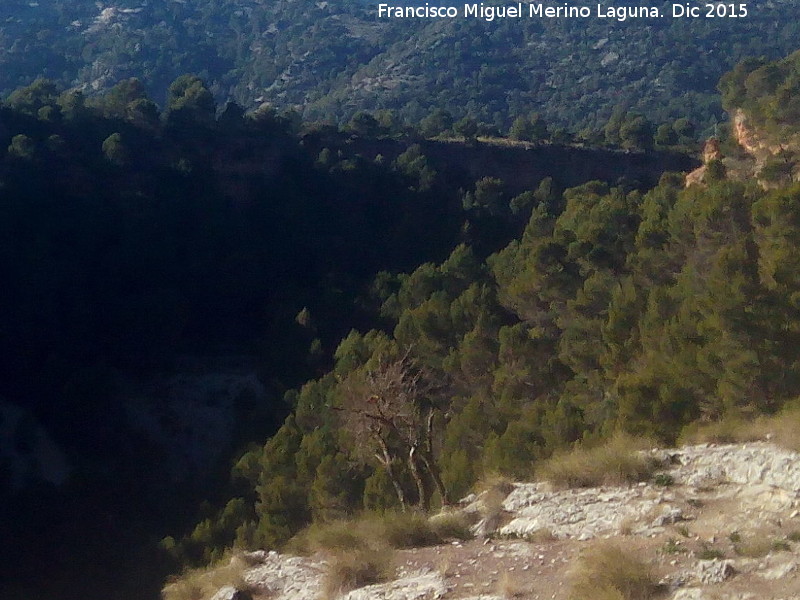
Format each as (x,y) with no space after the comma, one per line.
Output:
(613,310)
(134,238)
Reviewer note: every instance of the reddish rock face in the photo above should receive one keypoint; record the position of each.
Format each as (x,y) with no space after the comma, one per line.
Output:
(711,150)
(754,141)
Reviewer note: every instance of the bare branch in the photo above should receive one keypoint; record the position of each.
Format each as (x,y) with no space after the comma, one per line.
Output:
(389,410)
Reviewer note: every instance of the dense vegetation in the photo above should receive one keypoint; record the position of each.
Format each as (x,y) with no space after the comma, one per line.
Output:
(331,59)
(134,238)
(613,310)
(446,325)
(768,93)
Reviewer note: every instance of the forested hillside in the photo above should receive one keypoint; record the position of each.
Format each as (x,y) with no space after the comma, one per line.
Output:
(331,59)
(615,309)
(135,240)
(138,243)
(422,306)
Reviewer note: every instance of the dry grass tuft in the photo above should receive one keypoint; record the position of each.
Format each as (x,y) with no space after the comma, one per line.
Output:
(729,430)
(201,584)
(495,488)
(540,536)
(391,529)
(451,525)
(333,536)
(359,551)
(754,548)
(757,546)
(508,587)
(445,566)
(626,525)
(781,429)
(616,462)
(351,569)
(406,530)
(606,572)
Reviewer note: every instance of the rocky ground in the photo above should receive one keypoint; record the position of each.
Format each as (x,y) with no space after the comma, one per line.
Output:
(717,523)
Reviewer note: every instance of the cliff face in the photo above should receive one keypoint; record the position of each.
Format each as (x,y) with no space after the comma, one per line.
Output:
(773,161)
(760,150)
(711,151)
(520,165)
(753,141)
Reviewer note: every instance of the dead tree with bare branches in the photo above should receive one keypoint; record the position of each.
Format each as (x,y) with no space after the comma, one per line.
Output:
(391,411)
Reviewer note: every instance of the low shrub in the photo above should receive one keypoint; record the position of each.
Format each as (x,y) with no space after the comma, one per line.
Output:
(781,546)
(451,525)
(606,572)
(706,552)
(202,584)
(664,479)
(673,546)
(351,569)
(780,429)
(618,461)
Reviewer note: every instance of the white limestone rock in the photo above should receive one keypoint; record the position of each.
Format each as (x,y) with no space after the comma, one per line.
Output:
(780,571)
(690,594)
(668,517)
(287,577)
(745,464)
(229,592)
(714,571)
(582,514)
(424,585)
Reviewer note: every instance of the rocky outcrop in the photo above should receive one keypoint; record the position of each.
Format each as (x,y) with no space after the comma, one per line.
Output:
(752,140)
(714,571)
(580,514)
(758,148)
(711,151)
(762,149)
(753,464)
(694,529)
(424,585)
(285,577)
(770,474)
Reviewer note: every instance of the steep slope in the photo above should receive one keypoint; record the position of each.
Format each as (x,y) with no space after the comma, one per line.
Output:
(331,59)
(762,100)
(169,276)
